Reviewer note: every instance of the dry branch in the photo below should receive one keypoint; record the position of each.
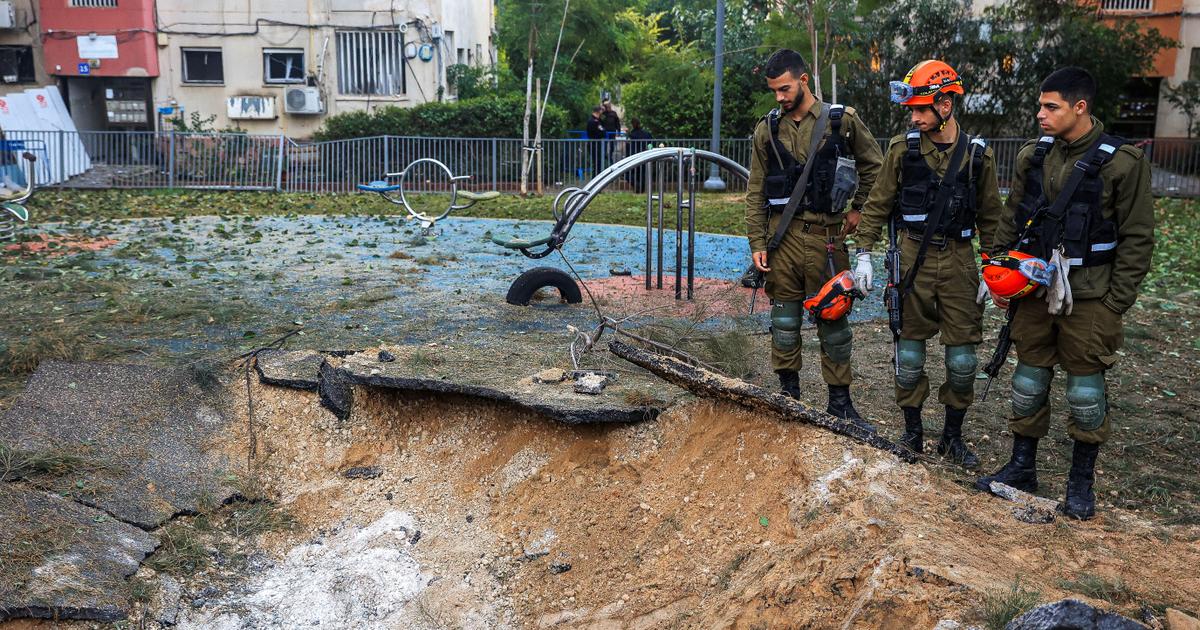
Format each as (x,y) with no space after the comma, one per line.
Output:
(704,383)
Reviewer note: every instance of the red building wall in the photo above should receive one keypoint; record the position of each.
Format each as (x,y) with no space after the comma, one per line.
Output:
(1167,17)
(131,22)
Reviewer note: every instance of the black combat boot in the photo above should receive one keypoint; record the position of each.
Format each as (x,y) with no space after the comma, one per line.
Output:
(1021,470)
(841,407)
(914,431)
(952,444)
(789,382)
(1081,501)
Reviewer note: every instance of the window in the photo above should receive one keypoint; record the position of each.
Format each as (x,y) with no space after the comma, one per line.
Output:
(371,62)
(283,65)
(203,65)
(93,4)
(16,64)
(1126,5)
(1194,67)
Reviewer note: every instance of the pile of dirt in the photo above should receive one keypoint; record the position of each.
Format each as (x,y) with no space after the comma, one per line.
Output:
(708,516)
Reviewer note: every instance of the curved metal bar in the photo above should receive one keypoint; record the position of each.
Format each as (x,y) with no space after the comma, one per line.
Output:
(421,216)
(578,201)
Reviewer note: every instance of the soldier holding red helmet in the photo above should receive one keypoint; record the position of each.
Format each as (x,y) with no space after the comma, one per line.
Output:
(938,185)
(1079,222)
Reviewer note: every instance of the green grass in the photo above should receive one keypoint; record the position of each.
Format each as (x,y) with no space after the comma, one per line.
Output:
(722,213)
(16,463)
(1002,606)
(1114,591)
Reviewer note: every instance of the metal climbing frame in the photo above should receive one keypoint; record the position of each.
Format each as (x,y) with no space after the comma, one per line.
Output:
(571,202)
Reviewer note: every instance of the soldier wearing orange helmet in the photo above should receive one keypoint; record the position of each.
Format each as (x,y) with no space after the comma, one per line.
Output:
(938,191)
(1081,204)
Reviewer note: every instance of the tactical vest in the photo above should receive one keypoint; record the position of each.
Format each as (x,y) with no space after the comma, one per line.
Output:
(920,187)
(783,169)
(1087,238)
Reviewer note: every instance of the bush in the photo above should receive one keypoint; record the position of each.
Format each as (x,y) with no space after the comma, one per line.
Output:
(482,117)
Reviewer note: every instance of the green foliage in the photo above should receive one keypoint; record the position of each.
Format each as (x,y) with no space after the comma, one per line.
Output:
(1114,591)
(1186,98)
(488,116)
(675,98)
(469,82)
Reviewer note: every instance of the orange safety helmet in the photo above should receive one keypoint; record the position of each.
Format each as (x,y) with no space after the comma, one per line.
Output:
(834,299)
(925,83)
(1015,274)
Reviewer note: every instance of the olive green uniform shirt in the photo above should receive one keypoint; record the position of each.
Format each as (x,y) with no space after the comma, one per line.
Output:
(797,136)
(881,202)
(1126,200)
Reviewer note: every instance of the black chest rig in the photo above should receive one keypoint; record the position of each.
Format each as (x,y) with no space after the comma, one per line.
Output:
(919,188)
(783,169)
(1087,238)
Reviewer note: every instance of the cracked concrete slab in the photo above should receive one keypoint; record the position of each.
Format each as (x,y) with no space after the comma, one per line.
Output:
(296,369)
(148,430)
(487,376)
(65,560)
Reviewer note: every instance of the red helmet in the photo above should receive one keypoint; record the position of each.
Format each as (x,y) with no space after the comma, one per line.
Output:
(1015,274)
(834,299)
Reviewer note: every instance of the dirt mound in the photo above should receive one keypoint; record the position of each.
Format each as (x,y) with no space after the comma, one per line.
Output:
(707,517)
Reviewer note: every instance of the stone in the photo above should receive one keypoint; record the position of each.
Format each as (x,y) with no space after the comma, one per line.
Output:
(386,357)
(550,376)
(1177,620)
(620,271)
(1071,614)
(559,567)
(592,384)
(147,433)
(295,369)
(362,472)
(1030,508)
(165,604)
(83,547)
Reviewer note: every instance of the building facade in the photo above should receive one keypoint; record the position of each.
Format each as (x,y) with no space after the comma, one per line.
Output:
(264,66)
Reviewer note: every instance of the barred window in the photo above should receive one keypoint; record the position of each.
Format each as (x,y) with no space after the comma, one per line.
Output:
(1126,5)
(93,4)
(371,62)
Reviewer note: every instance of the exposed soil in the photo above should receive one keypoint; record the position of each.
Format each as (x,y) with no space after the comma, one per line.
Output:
(707,517)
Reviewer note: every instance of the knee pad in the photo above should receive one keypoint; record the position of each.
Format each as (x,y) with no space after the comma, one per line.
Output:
(961,366)
(786,320)
(1086,398)
(910,363)
(1030,387)
(837,340)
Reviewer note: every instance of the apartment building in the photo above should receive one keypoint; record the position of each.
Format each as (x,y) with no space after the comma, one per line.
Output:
(1144,112)
(20,47)
(265,66)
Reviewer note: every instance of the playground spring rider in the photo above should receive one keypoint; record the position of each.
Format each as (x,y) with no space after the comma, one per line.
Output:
(394,192)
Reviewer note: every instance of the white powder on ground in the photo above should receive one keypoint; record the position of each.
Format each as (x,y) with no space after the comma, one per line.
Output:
(355,578)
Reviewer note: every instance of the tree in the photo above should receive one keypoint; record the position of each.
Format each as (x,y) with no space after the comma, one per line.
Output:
(1186,98)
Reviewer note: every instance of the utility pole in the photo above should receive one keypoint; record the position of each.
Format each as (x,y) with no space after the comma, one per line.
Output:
(714,181)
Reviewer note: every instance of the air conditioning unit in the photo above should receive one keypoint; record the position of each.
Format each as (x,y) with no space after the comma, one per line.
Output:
(8,17)
(303,100)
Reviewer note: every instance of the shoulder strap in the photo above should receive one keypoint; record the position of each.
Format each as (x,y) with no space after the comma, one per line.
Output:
(789,211)
(913,140)
(940,202)
(1043,146)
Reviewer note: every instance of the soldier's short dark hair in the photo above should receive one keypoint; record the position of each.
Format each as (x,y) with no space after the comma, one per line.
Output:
(1074,83)
(597,109)
(785,60)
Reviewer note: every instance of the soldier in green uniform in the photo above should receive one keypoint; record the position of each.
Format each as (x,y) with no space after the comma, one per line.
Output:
(797,266)
(1082,198)
(940,213)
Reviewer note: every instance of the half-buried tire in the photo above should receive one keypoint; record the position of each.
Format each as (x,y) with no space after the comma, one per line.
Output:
(528,284)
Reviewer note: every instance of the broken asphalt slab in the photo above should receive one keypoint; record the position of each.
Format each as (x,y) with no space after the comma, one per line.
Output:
(148,429)
(79,558)
(491,377)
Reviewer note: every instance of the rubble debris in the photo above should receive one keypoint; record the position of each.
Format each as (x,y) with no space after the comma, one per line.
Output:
(592,384)
(550,376)
(1030,508)
(362,472)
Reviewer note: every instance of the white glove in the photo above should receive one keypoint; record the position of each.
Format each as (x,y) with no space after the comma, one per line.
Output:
(864,273)
(983,294)
(1058,294)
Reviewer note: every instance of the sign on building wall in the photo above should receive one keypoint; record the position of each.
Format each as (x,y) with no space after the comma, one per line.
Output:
(97,46)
